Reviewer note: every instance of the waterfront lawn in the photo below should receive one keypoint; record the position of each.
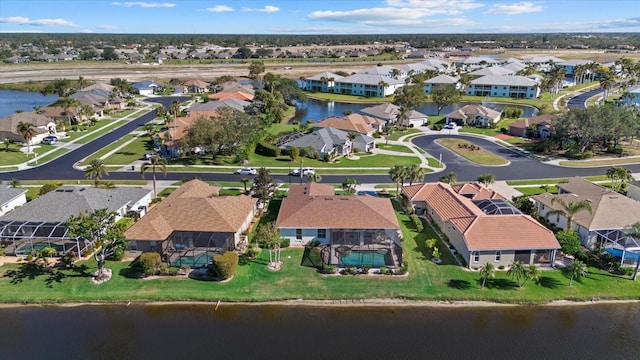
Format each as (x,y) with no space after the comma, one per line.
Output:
(480,156)
(254,282)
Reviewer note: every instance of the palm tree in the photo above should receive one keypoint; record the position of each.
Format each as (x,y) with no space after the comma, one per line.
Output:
(415,172)
(69,103)
(486,179)
(313,177)
(577,269)
(151,130)
(352,137)
(533,273)
(7,143)
(488,271)
(395,72)
(450,178)
(518,271)
(607,82)
(27,131)
(403,116)
(384,85)
(619,176)
(244,182)
(570,209)
(95,170)
(155,162)
(396,175)
(634,232)
(15,183)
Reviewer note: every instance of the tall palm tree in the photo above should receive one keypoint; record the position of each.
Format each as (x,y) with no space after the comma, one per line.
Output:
(95,170)
(619,176)
(416,173)
(86,111)
(69,103)
(488,271)
(518,271)
(151,130)
(606,83)
(450,178)
(396,175)
(27,131)
(577,269)
(634,232)
(155,162)
(244,182)
(15,183)
(352,137)
(569,209)
(313,177)
(486,179)
(384,85)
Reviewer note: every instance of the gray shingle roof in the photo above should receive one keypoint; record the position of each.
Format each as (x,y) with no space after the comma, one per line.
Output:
(65,201)
(214,105)
(327,75)
(327,138)
(369,79)
(7,194)
(443,79)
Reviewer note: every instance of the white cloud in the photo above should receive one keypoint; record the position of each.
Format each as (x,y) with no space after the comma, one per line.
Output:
(441,4)
(107,27)
(20,20)
(220,8)
(87,31)
(605,25)
(266,9)
(144,4)
(514,9)
(23,31)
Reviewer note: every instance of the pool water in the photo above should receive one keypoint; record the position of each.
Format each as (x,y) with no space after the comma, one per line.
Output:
(367,258)
(618,253)
(27,249)
(192,260)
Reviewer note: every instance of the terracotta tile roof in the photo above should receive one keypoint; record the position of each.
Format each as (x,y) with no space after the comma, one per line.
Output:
(443,199)
(315,206)
(352,123)
(196,82)
(238,95)
(194,206)
(476,191)
(507,232)
(527,122)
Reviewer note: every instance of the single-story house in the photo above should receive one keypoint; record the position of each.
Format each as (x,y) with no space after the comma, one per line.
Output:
(44,126)
(389,113)
(484,229)
(348,228)
(146,87)
(475,115)
(524,128)
(612,212)
(196,86)
(11,198)
(41,222)
(511,86)
(334,142)
(209,108)
(193,224)
(361,124)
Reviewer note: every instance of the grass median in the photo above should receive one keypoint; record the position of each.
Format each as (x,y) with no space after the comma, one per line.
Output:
(472,152)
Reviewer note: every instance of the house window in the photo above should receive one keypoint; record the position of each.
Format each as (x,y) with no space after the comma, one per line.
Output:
(299,234)
(498,254)
(322,233)
(476,257)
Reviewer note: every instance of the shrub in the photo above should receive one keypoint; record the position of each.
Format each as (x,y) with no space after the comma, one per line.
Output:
(226,264)
(148,263)
(117,255)
(350,271)
(384,271)
(330,269)
(364,269)
(417,222)
(88,251)
(575,155)
(30,257)
(268,150)
(163,269)
(47,188)
(403,269)
(285,242)
(173,271)
(513,113)
(326,157)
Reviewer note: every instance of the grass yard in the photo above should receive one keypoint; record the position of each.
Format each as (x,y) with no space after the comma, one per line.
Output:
(41,160)
(12,156)
(433,162)
(397,134)
(348,98)
(481,156)
(254,282)
(393,147)
(364,161)
(105,150)
(603,162)
(131,152)
(535,190)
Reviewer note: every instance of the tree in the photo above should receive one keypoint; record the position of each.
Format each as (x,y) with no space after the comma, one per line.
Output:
(269,236)
(94,226)
(577,269)
(487,271)
(415,173)
(532,273)
(255,69)
(263,186)
(569,241)
(349,185)
(450,178)
(155,162)
(244,182)
(68,104)
(14,183)
(95,170)
(569,209)
(634,232)
(151,130)
(27,131)
(7,143)
(410,97)
(486,179)
(313,177)
(517,271)
(384,85)
(352,137)
(606,82)
(395,173)
(445,94)
(619,176)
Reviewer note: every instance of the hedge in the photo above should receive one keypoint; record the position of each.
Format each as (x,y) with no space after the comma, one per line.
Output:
(226,264)
(268,150)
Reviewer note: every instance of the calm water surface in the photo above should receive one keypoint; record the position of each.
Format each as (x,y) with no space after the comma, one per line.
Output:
(278,332)
(12,101)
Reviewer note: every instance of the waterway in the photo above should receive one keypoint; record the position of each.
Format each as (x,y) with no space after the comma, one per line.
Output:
(318,110)
(14,100)
(602,331)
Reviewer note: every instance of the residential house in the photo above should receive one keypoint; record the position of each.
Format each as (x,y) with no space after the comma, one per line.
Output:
(332,142)
(511,86)
(437,64)
(209,108)
(357,123)
(492,70)
(11,198)
(514,66)
(474,115)
(389,113)
(323,82)
(475,62)
(484,229)
(369,85)
(441,80)
(611,213)
(544,63)
(44,126)
(41,222)
(16,59)
(633,190)
(525,127)
(632,96)
(232,89)
(193,224)
(347,228)
(146,87)
(569,66)
(196,86)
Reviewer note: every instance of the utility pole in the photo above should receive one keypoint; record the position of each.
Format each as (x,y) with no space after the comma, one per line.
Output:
(301,170)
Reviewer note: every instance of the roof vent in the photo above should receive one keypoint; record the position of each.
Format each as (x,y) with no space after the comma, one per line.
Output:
(328,198)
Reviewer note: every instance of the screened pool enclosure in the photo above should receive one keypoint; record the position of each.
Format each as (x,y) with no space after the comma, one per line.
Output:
(22,238)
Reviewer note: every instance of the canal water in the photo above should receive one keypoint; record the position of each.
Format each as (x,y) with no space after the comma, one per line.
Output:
(603,331)
(318,110)
(13,100)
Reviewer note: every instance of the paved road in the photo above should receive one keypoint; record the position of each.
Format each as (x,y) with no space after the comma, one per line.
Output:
(580,101)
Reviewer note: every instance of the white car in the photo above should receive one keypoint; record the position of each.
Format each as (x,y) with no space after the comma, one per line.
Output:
(246,171)
(305,171)
(50,140)
(450,126)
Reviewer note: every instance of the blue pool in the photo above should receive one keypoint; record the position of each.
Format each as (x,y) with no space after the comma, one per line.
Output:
(618,253)
(193,261)
(375,258)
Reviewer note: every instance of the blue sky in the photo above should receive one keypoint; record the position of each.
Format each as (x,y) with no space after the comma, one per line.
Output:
(319,16)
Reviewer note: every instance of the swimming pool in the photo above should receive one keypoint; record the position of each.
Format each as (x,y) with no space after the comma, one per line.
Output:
(375,258)
(618,253)
(193,261)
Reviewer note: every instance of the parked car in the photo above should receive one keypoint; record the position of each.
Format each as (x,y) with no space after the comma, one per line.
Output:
(305,171)
(450,126)
(50,140)
(149,155)
(246,171)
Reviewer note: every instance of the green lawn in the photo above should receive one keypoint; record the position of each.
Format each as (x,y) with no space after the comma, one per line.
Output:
(609,162)
(131,152)
(433,162)
(72,135)
(348,98)
(397,134)
(49,157)
(12,156)
(365,160)
(254,282)
(529,190)
(107,149)
(393,147)
(82,182)
(481,156)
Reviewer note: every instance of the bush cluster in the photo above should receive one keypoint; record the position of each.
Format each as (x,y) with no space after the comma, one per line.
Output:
(469,147)
(266,149)
(148,263)
(226,264)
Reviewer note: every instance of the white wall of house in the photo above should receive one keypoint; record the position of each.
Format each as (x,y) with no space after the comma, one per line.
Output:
(307,235)
(13,203)
(244,226)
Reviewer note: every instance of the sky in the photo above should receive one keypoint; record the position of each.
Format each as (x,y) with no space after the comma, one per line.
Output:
(319,16)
